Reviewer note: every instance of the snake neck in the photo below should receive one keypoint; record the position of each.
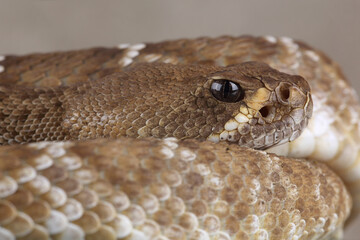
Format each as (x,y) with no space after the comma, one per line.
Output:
(30,115)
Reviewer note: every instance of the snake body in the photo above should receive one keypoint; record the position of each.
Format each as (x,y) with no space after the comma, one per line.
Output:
(177,189)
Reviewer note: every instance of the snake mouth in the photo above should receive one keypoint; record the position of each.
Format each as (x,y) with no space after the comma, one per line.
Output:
(263,125)
(255,134)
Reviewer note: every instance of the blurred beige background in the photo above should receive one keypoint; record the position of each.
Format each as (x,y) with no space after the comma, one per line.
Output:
(46,25)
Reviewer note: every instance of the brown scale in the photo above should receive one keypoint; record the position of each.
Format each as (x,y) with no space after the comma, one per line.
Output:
(196,199)
(283,197)
(122,103)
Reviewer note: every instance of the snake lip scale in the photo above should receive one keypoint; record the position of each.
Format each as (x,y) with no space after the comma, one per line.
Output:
(158,141)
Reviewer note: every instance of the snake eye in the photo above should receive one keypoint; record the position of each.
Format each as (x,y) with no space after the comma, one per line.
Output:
(226,91)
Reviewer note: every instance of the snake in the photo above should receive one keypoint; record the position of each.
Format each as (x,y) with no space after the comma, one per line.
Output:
(208,138)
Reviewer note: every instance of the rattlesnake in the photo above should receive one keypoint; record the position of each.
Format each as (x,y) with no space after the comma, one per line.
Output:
(166,188)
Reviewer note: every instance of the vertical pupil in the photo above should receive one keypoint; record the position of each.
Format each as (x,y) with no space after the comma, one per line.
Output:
(227,89)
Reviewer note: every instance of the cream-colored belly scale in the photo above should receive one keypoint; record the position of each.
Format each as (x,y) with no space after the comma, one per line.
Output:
(166,189)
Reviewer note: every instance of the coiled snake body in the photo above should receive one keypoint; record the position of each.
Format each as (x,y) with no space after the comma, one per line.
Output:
(138,181)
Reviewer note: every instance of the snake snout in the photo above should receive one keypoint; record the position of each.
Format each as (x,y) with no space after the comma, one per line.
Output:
(274,107)
(271,114)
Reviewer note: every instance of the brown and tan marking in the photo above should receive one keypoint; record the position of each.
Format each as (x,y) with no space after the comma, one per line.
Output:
(332,136)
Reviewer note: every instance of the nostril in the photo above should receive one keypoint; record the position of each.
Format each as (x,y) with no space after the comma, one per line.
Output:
(285,93)
(264,111)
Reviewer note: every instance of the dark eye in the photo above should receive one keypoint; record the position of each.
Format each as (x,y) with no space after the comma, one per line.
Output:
(226,91)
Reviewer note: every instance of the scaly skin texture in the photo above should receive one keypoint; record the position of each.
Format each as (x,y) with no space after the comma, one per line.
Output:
(332,134)
(161,100)
(165,189)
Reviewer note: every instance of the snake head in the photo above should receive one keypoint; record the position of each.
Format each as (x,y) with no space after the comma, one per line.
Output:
(267,107)
(249,103)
